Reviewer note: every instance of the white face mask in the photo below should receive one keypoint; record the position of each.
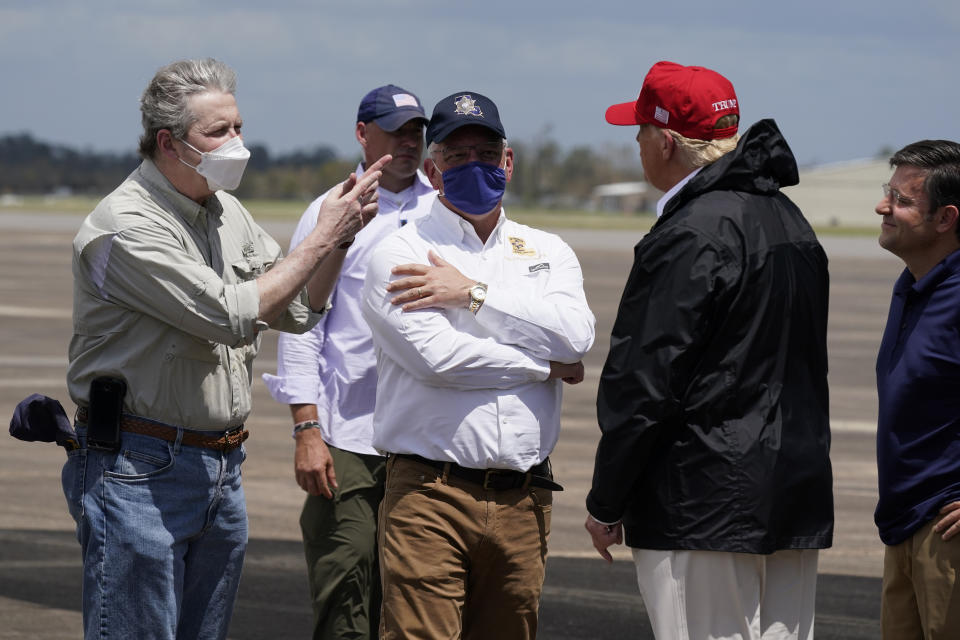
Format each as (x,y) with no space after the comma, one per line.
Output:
(223,167)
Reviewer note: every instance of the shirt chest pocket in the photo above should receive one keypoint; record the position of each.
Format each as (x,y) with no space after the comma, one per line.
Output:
(533,273)
(249,267)
(190,348)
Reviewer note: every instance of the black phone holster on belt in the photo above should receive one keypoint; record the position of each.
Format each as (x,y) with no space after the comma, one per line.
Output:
(104,413)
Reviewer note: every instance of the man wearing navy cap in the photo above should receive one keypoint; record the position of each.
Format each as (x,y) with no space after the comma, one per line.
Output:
(476,320)
(714,455)
(328,377)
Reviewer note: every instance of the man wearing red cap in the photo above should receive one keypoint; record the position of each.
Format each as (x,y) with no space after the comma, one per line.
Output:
(714,456)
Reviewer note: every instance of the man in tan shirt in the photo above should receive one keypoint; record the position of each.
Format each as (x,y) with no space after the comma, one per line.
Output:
(173,283)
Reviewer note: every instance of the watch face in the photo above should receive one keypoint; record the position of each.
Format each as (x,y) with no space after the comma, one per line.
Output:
(478,293)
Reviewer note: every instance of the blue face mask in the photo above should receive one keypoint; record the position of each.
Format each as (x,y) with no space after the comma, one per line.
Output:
(475,187)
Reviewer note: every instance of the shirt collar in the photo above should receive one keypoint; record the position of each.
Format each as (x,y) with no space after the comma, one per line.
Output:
(940,272)
(419,187)
(456,228)
(662,202)
(187,208)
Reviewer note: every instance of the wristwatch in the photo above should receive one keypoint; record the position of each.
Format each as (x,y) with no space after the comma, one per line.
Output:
(478,293)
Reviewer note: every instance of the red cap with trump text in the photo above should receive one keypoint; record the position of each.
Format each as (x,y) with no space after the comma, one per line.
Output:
(688,100)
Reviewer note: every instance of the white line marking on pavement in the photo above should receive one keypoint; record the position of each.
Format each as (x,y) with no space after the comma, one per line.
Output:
(853,426)
(33,361)
(30,383)
(34,312)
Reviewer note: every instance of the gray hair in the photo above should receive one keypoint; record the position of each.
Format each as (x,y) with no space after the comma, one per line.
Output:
(164,102)
(433,147)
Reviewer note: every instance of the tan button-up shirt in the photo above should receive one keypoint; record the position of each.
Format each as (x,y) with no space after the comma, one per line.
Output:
(165,297)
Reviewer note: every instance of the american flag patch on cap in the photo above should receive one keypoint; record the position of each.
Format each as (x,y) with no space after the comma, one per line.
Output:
(404,100)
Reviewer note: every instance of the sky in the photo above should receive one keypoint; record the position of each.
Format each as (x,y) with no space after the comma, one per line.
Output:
(842,78)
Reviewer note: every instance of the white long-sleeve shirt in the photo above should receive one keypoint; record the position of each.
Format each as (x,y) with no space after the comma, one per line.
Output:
(333,365)
(473,389)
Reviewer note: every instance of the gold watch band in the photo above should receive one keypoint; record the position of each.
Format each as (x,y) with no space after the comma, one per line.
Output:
(478,293)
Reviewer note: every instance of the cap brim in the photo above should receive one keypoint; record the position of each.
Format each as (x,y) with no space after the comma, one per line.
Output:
(441,135)
(623,114)
(395,120)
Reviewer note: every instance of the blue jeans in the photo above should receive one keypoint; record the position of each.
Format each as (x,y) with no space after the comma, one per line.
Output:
(163,529)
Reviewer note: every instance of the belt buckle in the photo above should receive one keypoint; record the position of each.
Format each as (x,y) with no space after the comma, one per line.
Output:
(492,475)
(233,438)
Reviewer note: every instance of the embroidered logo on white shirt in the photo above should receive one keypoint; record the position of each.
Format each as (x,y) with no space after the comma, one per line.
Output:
(520,247)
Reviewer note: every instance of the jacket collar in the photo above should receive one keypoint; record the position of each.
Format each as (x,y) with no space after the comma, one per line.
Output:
(762,163)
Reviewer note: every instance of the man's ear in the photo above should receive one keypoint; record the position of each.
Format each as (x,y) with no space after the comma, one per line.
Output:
(361,133)
(947,218)
(433,174)
(508,163)
(668,146)
(165,143)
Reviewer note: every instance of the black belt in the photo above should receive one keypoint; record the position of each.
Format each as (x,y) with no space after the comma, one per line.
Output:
(495,479)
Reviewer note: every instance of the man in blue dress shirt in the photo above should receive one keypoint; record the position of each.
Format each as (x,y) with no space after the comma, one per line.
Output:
(918,384)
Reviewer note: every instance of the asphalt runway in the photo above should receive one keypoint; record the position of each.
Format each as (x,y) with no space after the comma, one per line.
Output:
(583,596)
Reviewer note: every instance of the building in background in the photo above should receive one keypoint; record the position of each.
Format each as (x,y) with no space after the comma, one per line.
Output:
(841,194)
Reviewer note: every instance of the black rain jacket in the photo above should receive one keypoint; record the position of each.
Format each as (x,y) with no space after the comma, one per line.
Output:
(713,402)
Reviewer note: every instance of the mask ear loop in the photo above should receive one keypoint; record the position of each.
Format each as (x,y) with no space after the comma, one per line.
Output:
(437,169)
(194,167)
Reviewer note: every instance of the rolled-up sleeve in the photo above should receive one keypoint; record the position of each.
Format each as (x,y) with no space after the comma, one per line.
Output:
(145,268)
(298,368)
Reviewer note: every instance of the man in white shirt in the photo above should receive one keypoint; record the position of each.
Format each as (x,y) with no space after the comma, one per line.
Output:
(328,378)
(476,320)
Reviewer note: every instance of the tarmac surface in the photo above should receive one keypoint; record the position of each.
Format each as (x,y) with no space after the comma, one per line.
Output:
(583,596)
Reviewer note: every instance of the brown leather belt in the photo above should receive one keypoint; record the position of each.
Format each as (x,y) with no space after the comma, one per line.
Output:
(228,441)
(494,479)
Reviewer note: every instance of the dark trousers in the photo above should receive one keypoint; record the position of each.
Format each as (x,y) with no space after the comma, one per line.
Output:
(340,544)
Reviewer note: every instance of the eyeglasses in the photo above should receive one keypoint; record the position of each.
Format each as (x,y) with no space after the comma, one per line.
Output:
(489,152)
(899,198)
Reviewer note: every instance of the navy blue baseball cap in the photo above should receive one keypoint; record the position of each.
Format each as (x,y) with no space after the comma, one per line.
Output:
(42,418)
(462,109)
(390,107)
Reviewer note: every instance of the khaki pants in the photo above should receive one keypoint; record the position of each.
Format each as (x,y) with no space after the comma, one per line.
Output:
(459,561)
(921,593)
